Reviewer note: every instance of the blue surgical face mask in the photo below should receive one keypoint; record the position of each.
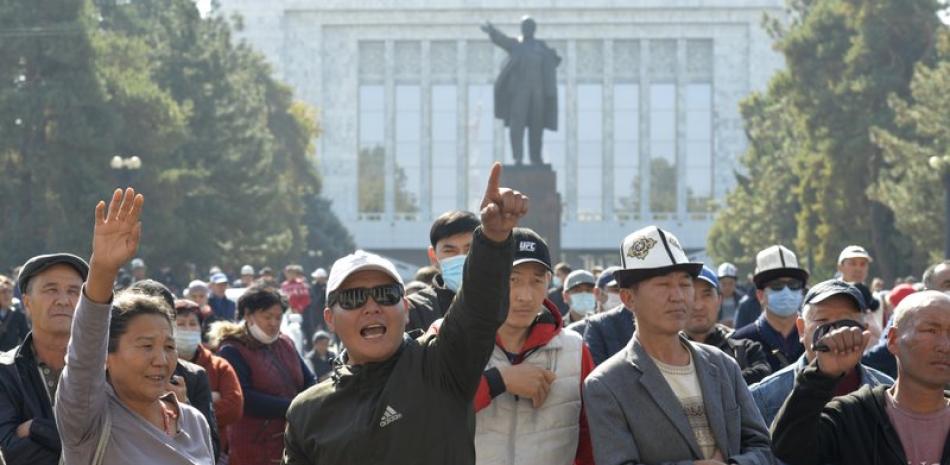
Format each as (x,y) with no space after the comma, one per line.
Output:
(555,282)
(452,272)
(583,302)
(785,302)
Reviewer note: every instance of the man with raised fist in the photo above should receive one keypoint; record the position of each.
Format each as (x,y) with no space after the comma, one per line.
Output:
(906,423)
(393,399)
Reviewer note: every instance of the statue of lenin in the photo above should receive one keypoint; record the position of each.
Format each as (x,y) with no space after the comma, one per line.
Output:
(526,89)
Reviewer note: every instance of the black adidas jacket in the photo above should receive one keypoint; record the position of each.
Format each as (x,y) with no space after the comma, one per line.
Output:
(416,407)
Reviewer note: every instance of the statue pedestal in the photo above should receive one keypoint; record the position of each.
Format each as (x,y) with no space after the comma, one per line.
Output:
(539,183)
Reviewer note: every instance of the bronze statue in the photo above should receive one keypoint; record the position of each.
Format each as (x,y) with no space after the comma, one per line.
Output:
(526,89)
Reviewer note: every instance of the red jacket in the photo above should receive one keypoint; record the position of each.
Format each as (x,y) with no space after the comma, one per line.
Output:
(223,380)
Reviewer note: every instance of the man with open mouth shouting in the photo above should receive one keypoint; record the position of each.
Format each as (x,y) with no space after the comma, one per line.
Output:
(393,399)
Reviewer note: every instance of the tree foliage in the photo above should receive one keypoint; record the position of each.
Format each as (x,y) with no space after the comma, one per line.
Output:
(227,152)
(910,187)
(844,58)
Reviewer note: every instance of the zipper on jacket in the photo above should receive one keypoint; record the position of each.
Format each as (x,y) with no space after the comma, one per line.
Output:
(513,432)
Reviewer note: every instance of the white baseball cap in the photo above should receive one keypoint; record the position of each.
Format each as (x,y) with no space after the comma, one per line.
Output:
(775,262)
(197,285)
(854,251)
(138,263)
(318,273)
(355,262)
(651,252)
(247,270)
(727,270)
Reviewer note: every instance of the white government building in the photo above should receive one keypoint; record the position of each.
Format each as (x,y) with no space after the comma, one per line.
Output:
(649,123)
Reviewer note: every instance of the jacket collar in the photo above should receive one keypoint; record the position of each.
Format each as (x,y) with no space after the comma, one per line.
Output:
(659,390)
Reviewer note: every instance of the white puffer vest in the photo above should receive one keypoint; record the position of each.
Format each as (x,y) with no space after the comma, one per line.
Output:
(513,432)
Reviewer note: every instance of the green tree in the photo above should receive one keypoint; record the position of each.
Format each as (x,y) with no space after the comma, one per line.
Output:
(760,212)
(844,58)
(910,186)
(227,153)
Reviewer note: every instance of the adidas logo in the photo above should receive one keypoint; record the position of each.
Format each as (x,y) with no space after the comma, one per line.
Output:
(389,416)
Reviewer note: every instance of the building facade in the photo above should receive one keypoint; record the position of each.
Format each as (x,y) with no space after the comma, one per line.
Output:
(649,123)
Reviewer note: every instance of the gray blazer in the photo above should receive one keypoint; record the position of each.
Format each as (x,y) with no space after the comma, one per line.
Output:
(635,418)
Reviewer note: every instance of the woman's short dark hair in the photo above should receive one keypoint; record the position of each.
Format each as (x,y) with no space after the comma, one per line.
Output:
(129,305)
(185,307)
(258,298)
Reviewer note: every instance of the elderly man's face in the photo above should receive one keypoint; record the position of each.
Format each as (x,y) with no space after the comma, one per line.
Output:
(922,342)
(372,332)
(854,270)
(52,299)
(661,304)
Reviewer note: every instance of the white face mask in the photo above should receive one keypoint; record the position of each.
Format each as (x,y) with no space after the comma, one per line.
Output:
(260,335)
(613,301)
(186,342)
(583,302)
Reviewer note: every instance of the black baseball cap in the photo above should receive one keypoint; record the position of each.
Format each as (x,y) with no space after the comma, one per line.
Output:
(530,247)
(39,263)
(832,288)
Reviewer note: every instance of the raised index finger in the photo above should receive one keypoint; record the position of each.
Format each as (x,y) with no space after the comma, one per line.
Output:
(494,179)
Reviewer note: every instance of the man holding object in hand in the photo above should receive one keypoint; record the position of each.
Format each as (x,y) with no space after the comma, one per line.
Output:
(393,399)
(904,423)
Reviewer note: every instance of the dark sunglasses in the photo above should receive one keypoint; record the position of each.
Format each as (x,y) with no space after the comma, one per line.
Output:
(791,285)
(354,298)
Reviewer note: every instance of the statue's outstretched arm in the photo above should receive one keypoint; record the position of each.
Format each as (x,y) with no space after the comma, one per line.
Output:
(499,38)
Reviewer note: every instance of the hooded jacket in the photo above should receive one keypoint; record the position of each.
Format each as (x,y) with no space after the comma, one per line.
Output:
(849,430)
(415,407)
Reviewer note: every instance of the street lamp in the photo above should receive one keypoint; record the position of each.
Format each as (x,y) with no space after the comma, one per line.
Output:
(125,167)
(942,165)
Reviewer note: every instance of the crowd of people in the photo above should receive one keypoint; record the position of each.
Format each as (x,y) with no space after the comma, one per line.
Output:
(492,354)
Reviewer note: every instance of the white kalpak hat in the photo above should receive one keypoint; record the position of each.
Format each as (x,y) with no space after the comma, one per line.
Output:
(355,262)
(652,252)
(777,262)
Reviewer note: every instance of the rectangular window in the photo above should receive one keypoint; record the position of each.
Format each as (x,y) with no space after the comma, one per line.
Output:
(372,152)
(590,153)
(444,143)
(699,169)
(626,150)
(408,148)
(480,129)
(663,148)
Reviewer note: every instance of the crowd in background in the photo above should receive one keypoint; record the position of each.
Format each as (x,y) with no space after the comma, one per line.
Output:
(654,359)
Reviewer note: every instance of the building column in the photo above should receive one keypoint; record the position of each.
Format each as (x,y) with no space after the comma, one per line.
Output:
(389,188)
(425,155)
(607,170)
(644,111)
(570,135)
